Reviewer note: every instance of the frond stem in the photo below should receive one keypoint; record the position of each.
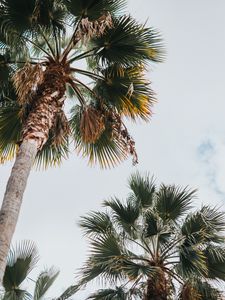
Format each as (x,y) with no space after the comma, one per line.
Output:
(77,91)
(87,73)
(48,44)
(83,55)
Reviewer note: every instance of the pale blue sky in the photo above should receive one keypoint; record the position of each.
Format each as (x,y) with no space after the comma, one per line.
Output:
(189,113)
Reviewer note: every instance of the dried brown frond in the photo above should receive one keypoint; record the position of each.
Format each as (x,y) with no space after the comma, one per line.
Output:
(26,81)
(61,128)
(89,29)
(120,132)
(189,293)
(92,124)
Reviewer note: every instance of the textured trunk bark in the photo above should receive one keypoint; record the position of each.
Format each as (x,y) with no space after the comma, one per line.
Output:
(157,288)
(13,198)
(46,103)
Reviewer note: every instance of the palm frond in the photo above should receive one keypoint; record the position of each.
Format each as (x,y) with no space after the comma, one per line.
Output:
(52,154)
(119,293)
(70,291)
(105,261)
(17,15)
(143,189)
(152,224)
(44,282)
(125,215)
(204,225)
(24,16)
(17,294)
(96,223)
(21,260)
(173,202)
(195,289)
(126,90)
(10,129)
(192,261)
(215,262)
(94,9)
(107,150)
(128,43)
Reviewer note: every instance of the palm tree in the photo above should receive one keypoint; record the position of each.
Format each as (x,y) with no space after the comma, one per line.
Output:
(153,246)
(49,51)
(20,262)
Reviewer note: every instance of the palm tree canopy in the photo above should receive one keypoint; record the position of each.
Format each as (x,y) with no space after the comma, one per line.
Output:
(101,55)
(155,243)
(21,261)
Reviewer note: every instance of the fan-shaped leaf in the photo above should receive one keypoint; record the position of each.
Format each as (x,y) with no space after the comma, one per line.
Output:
(127,43)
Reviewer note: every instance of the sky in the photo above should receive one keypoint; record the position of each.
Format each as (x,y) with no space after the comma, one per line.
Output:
(184,143)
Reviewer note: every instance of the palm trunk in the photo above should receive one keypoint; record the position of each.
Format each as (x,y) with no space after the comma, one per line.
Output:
(45,106)
(157,288)
(13,197)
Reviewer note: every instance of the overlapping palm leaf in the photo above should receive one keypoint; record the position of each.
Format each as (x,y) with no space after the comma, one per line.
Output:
(140,240)
(21,261)
(33,35)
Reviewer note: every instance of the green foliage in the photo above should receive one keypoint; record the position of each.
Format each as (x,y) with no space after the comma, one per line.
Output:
(94,9)
(128,43)
(107,151)
(153,244)
(21,261)
(36,34)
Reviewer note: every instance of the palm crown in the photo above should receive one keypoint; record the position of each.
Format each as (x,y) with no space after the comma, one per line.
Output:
(21,261)
(153,247)
(88,49)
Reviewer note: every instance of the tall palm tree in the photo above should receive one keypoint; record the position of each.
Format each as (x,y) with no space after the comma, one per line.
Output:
(49,51)
(153,246)
(20,262)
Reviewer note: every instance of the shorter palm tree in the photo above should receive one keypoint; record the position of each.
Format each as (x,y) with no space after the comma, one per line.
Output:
(21,261)
(153,246)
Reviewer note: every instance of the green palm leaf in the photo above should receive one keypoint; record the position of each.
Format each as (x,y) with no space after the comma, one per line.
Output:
(173,202)
(127,90)
(23,16)
(107,150)
(124,215)
(204,225)
(10,129)
(194,289)
(70,291)
(127,43)
(17,294)
(94,9)
(10,133)
(96,223)
(143,189)
(44,282)
(110,294)
(216,262)
(21,260)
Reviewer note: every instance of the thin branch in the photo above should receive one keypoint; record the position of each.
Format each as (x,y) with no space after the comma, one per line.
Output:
(146,249)
(149,249)
(140,258)
(164,253)
(85,86)
(171,262)
(71,42)
(56,42)
(35,45)
(19,62)
(77,91)
(83,55)
(87,73)
(48,44)
(174,275)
